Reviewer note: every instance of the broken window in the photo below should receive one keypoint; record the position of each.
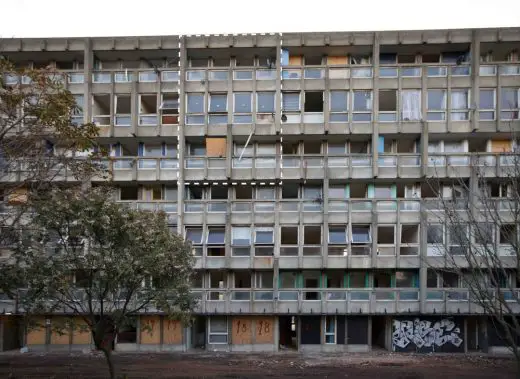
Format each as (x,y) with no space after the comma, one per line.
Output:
(357,279)
(290,191)
(335,279)
(123,110)
(387,105)
(312,147)
(313,101)
(508,234)
(170,109)
(265,102)
(147,110)
(242,279)
(264,279)
(197,279)
(431,279)
(312,235)
(405,279)
(197,150)
(410,105)
(358,190)
(337,234)
(289,235)
(128,193)
(288,279)
(311,279)
(382,279)
(338,106)
(435,234)
(362,105)
(194,193)
(243,192)
(409,236)
(360,234)
(101,110)
(290,147)
(450,279)
(386,235)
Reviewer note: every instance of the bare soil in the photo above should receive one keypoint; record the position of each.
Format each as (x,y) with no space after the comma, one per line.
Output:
(252,366)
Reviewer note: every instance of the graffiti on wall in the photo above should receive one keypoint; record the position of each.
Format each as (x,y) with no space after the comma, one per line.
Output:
(424,333)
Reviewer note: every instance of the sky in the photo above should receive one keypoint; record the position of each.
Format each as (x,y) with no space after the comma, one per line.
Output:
(79,18)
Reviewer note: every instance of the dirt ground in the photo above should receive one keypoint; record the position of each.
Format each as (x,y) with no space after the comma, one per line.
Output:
(252,366)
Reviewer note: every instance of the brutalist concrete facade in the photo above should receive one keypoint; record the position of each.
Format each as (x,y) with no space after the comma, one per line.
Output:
(296,163)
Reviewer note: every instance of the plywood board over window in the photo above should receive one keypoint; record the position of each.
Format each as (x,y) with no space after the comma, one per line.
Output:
(500,146)
(216,147)
(172,332)
(242,331)
(337,60)
(81,333)
(264,329)
(150,329)
(37,332)
(295,60)
(18,196)
(60,331)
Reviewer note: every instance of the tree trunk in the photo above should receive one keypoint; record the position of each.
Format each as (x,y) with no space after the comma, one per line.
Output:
(108,356)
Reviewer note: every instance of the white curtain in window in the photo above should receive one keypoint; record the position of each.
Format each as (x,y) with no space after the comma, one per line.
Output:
(411,105)
(459,101)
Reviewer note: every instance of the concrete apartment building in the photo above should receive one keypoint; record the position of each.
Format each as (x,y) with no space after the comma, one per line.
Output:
(296,164)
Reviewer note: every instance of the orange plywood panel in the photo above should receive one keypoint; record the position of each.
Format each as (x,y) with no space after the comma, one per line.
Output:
(37,332)
(81,333)
(150,329)
(264,330)
(172,332)
(216,147)
(242,331)
(500,146)
(337,61)
(18,196)
(60,331)
(295,60)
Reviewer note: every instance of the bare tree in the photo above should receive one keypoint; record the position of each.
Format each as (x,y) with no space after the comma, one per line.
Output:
(480,212)
(84,255)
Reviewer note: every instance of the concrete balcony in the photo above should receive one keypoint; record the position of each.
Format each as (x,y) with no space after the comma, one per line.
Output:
(204,168)
(168,207)
(127,169)
(256,168)
(399,166)
(460,300)
(213,211)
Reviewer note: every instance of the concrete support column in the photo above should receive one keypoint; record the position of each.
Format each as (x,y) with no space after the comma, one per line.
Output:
(475,80)
(88,63)
(181,146)
(375,105)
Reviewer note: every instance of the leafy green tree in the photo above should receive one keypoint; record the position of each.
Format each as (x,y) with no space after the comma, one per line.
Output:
(84,255)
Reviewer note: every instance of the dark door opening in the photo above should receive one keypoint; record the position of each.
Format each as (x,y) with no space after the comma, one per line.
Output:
(288,332)
(198,333)
(378,332)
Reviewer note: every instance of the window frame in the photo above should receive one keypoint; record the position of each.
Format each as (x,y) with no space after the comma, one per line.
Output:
(327,333)
(258,110)
(443,234)
(263,229)
(362,112)
(235,228)
(212,333)
(215,229)
(344,229)
(369,241)
(187,228)
(297,93)
(488,110)
(460,110)
(210,102)
(443,108)
(340,112)
(235,102)
(510,110)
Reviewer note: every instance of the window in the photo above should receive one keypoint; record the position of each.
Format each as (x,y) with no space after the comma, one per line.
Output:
(264,236)
(487,104)
(313,101)
(217,103)
(435,234)
(508,234)
(361,234)
(240,236)
(509,104)
(264,279)
(337,192)
(483,233)
(291,101)
(218,333)
(386,235)
(265,149)
(459,104)
(312,235)
(337,148)
(330,330)
(436,105)
(338,106)
(266,193)
(338,235)
(194,235)
(195,103)
(387,105)
(357,280)
(404,279)
(362,105)
(265,102)
(383,192)
(216,236)
(410,105)
(312,193)
(243,102)
(431,278)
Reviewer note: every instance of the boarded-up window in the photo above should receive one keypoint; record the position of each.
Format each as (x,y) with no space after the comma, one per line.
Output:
(500,146)
(337,61)
(295,60)
(18,196)
(216,147)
